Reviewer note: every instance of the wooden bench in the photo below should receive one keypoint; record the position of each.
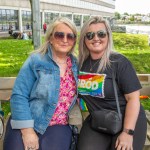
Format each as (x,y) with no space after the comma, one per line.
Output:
(145,82)
(75,116)
(6,85)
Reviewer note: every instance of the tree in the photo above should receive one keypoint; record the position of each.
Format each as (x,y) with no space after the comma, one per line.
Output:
(117,15)
(132,18)
(30,3)
(31,19)
(126,14)
(35,23)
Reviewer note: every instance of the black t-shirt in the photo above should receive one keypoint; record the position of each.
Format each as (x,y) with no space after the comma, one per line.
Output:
(126,80)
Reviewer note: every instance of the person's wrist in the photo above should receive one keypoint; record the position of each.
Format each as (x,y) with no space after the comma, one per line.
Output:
(128,131)
(27,130)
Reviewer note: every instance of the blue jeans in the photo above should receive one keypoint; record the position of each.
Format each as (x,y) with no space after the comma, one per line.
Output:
(56,137)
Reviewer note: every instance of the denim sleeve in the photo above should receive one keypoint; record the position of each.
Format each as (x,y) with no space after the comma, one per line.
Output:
(20,110)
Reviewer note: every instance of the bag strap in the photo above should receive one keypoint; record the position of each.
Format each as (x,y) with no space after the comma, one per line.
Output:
(116,94)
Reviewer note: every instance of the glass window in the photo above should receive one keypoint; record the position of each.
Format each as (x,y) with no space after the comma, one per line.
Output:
(77,20)
(3,15)
(8,12)
(85,18)
(15,14)
(67,15)
(26,20)
(12,12)
(8,17)
(49,17)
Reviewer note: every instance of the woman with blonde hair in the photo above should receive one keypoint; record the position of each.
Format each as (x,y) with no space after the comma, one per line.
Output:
(44,92)
(98,63)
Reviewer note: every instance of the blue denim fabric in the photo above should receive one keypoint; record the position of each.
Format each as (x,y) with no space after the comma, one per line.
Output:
(36,90)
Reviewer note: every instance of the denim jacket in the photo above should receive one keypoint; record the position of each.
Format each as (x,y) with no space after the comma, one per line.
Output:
(36,91)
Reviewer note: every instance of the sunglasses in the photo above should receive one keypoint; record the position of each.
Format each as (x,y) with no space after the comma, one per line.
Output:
(61,35)
(100,34)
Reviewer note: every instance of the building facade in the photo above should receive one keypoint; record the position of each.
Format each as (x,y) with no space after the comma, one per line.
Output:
(16,14)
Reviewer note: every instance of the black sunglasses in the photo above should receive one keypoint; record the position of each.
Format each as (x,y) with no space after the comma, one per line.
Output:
(61,35)
(100,34)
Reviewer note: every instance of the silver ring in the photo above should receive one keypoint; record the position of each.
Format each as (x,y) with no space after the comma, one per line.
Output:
(30,148)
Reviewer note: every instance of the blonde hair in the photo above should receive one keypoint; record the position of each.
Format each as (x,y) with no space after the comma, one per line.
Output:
(83,50)
(43,49)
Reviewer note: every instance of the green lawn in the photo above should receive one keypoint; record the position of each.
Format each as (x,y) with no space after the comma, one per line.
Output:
(13,53)
(135,48)
(146,104)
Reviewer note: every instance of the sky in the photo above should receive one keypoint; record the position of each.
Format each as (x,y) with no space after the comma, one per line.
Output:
(132,6)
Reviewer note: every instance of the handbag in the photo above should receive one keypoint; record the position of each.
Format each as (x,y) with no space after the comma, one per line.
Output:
(75,135)
(105,120)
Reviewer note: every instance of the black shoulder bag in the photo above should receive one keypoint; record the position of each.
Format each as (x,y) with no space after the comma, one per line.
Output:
(105,120)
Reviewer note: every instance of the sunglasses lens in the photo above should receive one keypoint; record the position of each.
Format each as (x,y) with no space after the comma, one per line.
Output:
(90,35)
(101,34)
(59,35)
(71,37)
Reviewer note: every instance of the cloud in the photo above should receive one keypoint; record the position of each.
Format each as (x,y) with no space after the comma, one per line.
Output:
(133,6)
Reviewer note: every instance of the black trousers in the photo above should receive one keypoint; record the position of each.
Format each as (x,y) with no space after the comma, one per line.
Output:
(90,139)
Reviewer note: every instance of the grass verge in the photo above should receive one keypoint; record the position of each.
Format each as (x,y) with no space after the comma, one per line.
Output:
(13,53)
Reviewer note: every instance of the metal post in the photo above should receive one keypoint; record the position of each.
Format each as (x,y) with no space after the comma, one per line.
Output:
(36,23)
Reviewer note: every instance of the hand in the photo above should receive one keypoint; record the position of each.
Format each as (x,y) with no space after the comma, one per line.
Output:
(124,142)
(30,139)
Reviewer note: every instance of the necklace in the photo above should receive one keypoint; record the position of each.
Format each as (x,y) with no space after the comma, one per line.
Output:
(93,65)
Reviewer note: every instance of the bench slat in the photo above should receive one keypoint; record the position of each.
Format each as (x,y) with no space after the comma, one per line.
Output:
(7,82)
(5,94)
